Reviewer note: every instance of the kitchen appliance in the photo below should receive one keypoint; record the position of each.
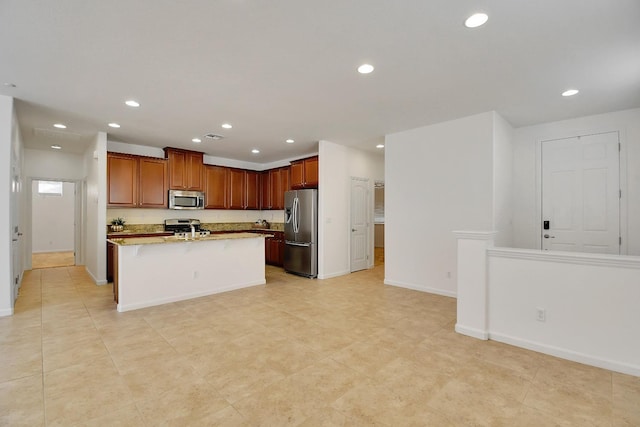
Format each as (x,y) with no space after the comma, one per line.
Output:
(301,232)
(179,199)
(184,228)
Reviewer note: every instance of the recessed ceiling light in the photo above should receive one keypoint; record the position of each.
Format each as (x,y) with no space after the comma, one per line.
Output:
(196,140)
(380,146)
(56,147)
(114,125)
(9,85)
(365,68)
(476,20)
(226,126)
(255,151)
(289,141)
(59,126)
(570,92)
(132,103)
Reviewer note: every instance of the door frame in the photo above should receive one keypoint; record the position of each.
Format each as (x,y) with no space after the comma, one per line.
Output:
(623,181)
(79,219)
(369,210)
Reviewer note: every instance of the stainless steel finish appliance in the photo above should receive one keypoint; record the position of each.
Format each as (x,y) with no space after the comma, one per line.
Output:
(179,199)
(185,227)
(301,232)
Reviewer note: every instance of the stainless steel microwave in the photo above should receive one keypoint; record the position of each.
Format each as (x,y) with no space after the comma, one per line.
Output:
(179,199)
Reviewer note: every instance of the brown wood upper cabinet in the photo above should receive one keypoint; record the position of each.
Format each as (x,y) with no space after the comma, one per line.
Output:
(136,181)
(304,173)
(186,169)
(216,184)
(274,183)
(229,188)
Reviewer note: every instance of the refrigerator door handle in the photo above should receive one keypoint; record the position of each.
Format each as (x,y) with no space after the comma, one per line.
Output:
(296,215)
(298,244)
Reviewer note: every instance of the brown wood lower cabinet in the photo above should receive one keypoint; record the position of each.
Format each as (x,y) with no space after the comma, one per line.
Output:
(274,248)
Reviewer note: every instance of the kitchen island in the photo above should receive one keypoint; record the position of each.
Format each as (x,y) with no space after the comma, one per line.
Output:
(158,270)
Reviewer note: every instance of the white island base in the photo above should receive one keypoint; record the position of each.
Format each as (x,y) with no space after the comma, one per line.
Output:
(156,272)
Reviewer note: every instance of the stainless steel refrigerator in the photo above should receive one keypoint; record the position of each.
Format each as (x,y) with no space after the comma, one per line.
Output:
(301,232)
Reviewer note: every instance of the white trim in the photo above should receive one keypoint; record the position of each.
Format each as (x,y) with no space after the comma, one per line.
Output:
(581,258)
(567,354)
(475,235)
(96,281)
(6,312)
(159,301)
(472,332)
(420,288)
(332,275)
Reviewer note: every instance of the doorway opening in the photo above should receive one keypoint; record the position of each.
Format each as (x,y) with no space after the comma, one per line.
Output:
(53,223)
(378,223)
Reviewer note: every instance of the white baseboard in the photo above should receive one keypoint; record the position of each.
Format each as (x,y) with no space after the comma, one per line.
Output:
(564,353)
(472,332)
(411,286)
(6,312)
(96,281)
(332,275)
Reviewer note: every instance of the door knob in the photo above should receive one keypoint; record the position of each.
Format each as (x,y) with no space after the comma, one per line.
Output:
(353,229)
(546,236)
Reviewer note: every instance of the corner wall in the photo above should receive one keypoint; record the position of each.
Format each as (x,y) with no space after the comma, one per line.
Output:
(438,179)
(95,167)
(6,279)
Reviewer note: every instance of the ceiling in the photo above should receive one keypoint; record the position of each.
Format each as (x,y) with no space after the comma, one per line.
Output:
(284,69)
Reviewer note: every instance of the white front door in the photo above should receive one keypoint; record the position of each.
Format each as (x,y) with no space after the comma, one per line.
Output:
(359,224)
(581,194)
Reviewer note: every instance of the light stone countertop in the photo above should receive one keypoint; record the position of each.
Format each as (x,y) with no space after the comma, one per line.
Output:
(131,241)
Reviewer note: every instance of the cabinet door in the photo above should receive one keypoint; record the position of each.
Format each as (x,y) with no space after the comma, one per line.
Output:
(311,172)
(277,197)
(253,190)
(122,181)
(281,182)
(193,172)
(265,191)
(237,188)
(297,174)
(216,185)
(177,169)
(153,183)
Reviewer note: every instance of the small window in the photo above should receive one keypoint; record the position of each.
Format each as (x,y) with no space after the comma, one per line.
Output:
(51,188)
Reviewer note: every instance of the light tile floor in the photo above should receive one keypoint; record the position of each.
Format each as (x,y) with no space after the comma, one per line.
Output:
(52,259)
(345,351)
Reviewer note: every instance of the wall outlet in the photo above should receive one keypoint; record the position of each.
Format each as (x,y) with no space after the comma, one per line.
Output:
(541,314)
(196,274)
(448,275)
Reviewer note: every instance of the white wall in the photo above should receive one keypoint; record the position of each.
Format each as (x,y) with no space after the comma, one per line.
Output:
(95,168)
(526,175)
(438,179)
(502,172)
(333,210)
(53,164)
(6,280)
(53,219)
(591,304)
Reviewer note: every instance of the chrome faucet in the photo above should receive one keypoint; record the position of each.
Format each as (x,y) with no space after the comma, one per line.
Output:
(193,231)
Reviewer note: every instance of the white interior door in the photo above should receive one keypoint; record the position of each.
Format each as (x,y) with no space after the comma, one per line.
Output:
(359,224)
(581,194)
